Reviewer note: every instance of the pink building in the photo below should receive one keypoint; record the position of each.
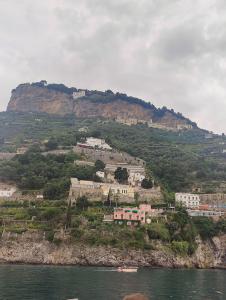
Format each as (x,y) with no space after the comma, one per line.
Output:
(133,214)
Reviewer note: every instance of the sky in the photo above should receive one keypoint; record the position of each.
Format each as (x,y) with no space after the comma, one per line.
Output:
(168,52)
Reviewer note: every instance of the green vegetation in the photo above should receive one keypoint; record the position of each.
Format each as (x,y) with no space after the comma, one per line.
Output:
(146,183)
(52,173)
(181,248)
(84,223)
(121,175)
(207,228)
(99,165)
(158,231)
(176,160)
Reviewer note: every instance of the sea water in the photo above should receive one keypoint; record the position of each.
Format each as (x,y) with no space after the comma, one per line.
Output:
(85,283)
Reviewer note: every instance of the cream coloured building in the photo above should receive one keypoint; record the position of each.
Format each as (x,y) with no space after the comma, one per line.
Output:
(7,191)
(187,200)
(79,94)
(97,191)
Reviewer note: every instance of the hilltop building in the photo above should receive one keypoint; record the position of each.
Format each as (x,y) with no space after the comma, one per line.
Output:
(78,94)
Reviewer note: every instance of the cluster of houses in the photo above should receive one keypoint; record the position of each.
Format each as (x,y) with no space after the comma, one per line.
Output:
(196,206)
(109,187)
(173,126)
(136,173)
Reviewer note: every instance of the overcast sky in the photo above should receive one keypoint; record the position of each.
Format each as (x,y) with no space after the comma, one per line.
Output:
(168,52)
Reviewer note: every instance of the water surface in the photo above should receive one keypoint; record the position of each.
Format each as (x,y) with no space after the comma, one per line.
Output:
(85,283)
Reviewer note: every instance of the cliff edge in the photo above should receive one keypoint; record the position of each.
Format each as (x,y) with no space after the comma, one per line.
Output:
(58,99)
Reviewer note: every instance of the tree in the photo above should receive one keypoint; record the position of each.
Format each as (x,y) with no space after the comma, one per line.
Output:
(136,198)
(99,165)
(82,203)
(52,191)
(146,183)
(206,227)
(51,144)
(68,216)
(121,175)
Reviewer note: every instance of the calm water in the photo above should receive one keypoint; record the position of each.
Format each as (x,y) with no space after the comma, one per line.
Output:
(44,282)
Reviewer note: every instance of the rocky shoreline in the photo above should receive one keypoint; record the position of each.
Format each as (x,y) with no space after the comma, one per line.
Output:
(31,248)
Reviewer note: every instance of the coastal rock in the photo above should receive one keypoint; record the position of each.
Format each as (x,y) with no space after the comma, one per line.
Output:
(31,249)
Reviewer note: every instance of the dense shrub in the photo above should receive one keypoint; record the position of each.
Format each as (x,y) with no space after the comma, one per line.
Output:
(49,235)
(158,231)
(181,248)
(50,213)
(205,227)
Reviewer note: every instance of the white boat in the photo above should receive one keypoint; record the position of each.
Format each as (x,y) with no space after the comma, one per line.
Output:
(127,269)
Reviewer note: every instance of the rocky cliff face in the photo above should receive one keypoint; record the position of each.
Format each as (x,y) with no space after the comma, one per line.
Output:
(32,248)
(54,99)
(28,98)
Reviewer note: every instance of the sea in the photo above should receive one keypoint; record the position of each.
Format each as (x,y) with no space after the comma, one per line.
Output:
(23,282)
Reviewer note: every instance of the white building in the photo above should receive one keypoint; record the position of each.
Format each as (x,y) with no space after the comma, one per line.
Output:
(130,168)
(205,213)
(7,192)
(187,200)
(135,177)
(100,174)
(79,94)
(95,143)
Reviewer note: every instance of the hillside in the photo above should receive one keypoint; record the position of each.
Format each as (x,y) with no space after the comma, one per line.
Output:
(58,99)
(179,161)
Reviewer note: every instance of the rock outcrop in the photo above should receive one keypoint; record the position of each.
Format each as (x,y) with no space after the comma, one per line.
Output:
(58,99)
(32,248)
(28,98)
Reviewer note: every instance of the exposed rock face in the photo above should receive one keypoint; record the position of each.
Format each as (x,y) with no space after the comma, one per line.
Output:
(27,98)
(85,108)
(43,99)
(33,249)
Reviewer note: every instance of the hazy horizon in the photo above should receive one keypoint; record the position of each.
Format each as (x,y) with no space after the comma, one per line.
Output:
(167,53)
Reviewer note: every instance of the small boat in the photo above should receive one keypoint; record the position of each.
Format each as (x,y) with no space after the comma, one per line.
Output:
(127,269)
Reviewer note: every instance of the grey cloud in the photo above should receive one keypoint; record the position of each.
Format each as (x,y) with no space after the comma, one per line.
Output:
(168,52)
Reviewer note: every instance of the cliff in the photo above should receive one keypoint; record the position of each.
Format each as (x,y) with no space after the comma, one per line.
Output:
(61,100)
(32,248)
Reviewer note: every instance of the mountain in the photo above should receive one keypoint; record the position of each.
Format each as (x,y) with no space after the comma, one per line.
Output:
(40,97)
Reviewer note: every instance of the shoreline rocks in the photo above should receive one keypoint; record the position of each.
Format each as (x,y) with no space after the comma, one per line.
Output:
(34,250)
